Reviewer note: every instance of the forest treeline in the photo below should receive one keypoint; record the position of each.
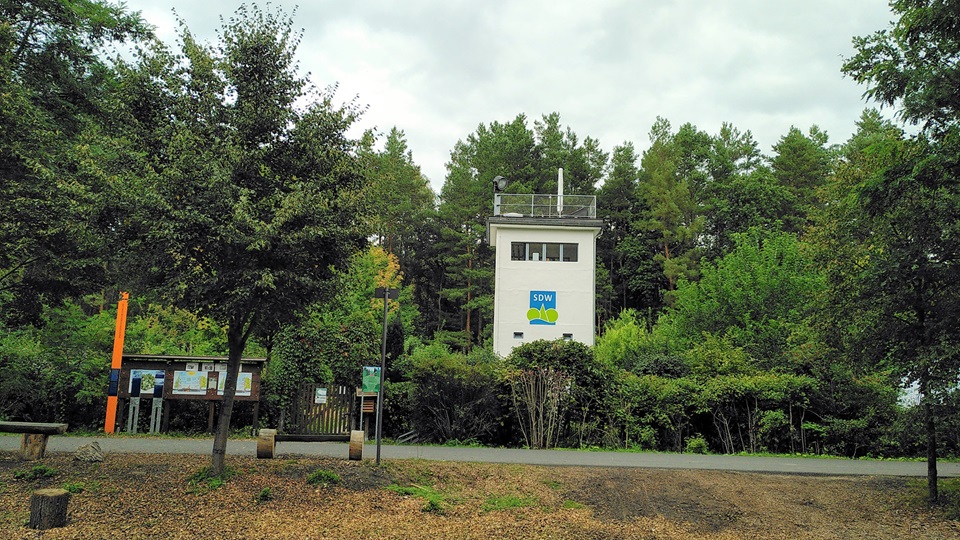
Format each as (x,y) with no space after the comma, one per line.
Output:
(747,300)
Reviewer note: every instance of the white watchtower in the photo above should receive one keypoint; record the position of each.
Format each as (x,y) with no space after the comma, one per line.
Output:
(545,284)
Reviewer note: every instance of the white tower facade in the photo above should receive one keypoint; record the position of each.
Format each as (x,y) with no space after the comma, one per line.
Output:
(545,281)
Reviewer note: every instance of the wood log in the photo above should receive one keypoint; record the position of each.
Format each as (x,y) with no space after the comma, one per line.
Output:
(32,446)
(266,443)
(356,445)
(33,427)
(48,508)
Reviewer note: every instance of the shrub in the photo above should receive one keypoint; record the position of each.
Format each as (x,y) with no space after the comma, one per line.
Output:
(697,445)
(587,396)
(455,396)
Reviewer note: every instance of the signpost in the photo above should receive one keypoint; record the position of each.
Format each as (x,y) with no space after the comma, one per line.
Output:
(386,293)
(110,421)
(369,382)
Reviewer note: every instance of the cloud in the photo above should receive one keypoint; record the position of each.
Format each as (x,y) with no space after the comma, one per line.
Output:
(438,68)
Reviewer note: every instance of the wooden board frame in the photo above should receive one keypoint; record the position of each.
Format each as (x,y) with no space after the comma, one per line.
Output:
(171,364)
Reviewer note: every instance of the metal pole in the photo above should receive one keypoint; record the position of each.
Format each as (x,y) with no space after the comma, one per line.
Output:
(383,369)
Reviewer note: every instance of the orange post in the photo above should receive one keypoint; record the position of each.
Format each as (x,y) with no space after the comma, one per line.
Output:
(111,420)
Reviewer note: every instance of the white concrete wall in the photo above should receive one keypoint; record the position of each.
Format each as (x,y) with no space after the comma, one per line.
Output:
(573,282)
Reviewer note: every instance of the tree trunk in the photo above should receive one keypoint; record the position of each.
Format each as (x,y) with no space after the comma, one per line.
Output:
(470,268)
(236,339)
(671,285)
(931,429)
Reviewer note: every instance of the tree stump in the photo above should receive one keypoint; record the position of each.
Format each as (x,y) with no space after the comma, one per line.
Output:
(33,446)
(356,445)
(48,508)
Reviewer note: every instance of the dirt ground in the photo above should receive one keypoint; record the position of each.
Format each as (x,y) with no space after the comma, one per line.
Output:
(151,496)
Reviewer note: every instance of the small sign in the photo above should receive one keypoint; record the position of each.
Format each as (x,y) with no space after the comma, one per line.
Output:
(244,383)
(189,383)
(193,366)
(320,396)
(145,381)
(208,367)
(370,381)
(221,367)
(385,292)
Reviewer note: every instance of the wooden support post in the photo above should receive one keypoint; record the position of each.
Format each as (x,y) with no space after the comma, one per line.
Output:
(266,443)
(33,446)
(356,445)
(165,426)
(210,417)
(48,508)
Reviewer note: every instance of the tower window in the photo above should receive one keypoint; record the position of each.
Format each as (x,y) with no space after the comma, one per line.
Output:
(518,335)
(543,251)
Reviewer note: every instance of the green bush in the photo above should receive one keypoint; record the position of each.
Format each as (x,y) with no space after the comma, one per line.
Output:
(696,445)
(455,395)
(589,403)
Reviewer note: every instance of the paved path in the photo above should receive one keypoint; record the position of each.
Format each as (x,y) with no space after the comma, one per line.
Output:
(147,445)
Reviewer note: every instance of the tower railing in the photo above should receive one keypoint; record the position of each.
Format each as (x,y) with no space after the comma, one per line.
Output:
(544,206)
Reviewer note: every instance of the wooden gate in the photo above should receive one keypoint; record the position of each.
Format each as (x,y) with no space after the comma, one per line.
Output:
(322,410)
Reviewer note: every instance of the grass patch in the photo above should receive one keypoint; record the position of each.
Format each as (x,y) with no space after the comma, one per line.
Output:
(35,473)
(506,502)
(79,487)
(323,477)
(469,443)
(204,480)
(572,504)
(265,495)
(915,497)
(552,484)
(949,491)
(435,502)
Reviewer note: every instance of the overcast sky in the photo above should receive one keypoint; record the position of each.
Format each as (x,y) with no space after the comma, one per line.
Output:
(437,69)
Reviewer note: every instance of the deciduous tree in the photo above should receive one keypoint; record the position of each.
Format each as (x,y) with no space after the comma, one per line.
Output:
(60,157)
(912,204)
(258,202)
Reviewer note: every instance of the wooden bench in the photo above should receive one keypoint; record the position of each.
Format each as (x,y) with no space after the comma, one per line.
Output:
(33,444)
(268,439)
